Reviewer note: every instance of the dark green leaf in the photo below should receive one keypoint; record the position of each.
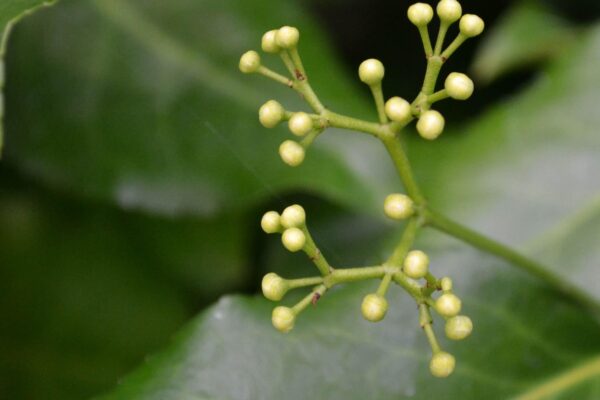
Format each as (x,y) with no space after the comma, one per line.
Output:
(11,11)
(530,33)
(141,103)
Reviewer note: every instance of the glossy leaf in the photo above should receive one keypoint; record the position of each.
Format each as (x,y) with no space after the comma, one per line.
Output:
(521,173)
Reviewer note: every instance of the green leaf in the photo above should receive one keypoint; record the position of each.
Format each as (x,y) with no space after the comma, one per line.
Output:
(141,103)
(528,34)
(87,291)
(524,173)
(11,11)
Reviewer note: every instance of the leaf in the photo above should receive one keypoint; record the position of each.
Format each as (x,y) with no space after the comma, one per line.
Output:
(530,33)
(525,174)
(11,11)
(148,109)
(88,290)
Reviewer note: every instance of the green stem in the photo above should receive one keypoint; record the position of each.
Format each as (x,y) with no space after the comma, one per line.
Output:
(394,148)
(444,224)
(379,103)
(425,322)
(356,274)
(355,124)
(313,252)
(409,285)
(406,242)
(302,304)
(434,66)
(297,61)
(460,39)
(303,282)
(440,39)
(384,285)
(264,71)
(424,32)
(437,96)
(309,95)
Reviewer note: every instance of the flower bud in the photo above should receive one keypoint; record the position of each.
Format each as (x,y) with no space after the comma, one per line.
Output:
(448,305)
(283,319)
(416,264)
(430,125)
(398,109)
(291,153)
(274,287)
(471,25)
(371,71)
(442,364)
(449,11)
(293,239)
(300,124)
(459,327)
(398,206)
(250,62)
(293,216)
(269,42)
(446,284)
(271,222)
(374,307)
(287,37)
(420,14)
(270,114)
(459,86)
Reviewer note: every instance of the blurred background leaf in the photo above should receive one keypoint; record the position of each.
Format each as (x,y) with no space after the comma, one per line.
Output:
(136,172)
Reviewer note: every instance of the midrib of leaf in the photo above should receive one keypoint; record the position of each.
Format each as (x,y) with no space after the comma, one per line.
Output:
(150,36)
(563,381)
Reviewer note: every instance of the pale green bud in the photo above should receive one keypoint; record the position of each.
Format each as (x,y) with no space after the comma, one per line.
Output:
(431,125)
(398,109)
(291,153)
(271,113)
(442,364)
(300,124)
(250,62)
(287,37)
(459,86)
(274,287)
(293,216)
(459,327)
(449,11)
(398,206)
(371,72)
(271,222)
(448,305)
(416,264)
(374,307)
(283,319)
(293,239)
(471,25)
(420,14)
(269,42)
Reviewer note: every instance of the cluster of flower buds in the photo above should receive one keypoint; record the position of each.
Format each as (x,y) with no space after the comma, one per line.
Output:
(405,267)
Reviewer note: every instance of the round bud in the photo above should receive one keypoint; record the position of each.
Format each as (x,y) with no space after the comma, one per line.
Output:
(371,71)
(287,37)
(270,114)
(293,239)
(398,109)
(269,42)
(448,305)
(274,287)
(471,25)
(293,216)
(291,153)
(283,319)
(271,222)
(374,307)
(249,62)
(446,284)
(416,264)
(459,86)
(300,123)
(442,364)
(459,327)
(420,14)
(430,125)
(398,206)
(449,11)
